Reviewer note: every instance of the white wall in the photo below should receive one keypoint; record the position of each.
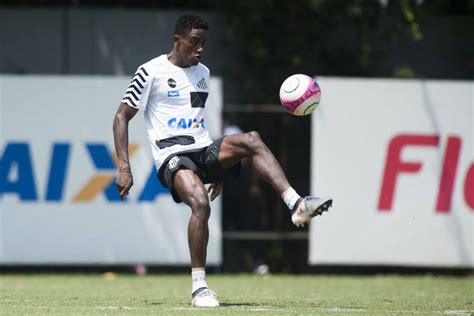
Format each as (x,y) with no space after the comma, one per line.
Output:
(427,221)
(50,222)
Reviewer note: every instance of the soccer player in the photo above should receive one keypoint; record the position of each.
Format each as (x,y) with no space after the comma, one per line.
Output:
(172,90)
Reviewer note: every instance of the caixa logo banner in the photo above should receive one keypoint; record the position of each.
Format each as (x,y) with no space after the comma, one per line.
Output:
(19,176)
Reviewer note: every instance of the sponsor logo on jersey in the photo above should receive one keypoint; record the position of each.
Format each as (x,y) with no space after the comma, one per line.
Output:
(185,123)
(172,83)
(202,84)
(173,93)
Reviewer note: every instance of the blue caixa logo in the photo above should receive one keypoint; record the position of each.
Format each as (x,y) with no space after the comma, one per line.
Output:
(185,123)
(19,175)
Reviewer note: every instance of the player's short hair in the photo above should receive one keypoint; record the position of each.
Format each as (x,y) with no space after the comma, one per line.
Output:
(187,21)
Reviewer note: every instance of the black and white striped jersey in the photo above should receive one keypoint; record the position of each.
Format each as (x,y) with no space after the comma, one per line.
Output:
(173,100)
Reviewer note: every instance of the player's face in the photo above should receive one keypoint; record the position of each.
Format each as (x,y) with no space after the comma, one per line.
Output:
(191,47)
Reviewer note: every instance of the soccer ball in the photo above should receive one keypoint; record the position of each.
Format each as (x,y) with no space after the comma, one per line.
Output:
(300,94)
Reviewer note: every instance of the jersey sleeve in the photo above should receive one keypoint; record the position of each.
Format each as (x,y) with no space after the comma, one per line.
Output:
(139,89)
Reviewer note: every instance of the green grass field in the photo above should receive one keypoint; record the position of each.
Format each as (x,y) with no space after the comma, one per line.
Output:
(74,294)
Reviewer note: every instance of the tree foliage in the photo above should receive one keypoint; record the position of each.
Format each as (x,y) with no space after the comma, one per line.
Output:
(274,39)
(269,40)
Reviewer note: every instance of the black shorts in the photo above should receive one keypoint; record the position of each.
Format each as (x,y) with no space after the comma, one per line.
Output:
(202,161)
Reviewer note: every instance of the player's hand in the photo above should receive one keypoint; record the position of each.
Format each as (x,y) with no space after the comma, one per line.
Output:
(215,190)
(124,183)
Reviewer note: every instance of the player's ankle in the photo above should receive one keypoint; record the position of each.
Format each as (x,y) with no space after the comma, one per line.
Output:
(198,278)
(291,198)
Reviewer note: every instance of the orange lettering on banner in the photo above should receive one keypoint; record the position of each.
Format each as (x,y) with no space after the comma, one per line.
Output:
(99,182)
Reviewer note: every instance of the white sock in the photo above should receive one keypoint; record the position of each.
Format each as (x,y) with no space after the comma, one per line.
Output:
(290,197)
(199,279)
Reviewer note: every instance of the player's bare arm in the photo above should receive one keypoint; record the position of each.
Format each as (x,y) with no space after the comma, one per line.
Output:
(124,178)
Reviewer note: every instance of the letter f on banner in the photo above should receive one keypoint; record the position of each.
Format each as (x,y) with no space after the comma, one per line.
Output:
(394,165)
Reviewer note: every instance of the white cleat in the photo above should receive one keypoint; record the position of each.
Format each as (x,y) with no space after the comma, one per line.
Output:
(205,297)
(309,207)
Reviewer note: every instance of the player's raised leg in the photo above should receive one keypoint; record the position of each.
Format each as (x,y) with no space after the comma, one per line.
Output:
(192,191)
(236,147)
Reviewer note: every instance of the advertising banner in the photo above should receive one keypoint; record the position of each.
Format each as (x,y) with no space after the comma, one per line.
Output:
(397,157)
(58,201)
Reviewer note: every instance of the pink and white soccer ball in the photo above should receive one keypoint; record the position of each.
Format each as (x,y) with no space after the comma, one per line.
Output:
(300,94)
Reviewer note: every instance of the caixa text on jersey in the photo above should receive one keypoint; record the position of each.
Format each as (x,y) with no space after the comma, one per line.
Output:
(185,123)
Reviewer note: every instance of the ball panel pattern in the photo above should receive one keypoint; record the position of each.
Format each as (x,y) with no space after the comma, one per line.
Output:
(299,106)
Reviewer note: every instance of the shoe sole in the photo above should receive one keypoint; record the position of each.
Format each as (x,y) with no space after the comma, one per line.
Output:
(193,304)
(319,211)
(323,208)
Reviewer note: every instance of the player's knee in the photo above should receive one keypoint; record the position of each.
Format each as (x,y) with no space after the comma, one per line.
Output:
(201,208)
(254,141)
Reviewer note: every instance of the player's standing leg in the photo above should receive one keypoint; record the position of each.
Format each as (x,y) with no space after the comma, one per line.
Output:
(192,191)
(236,147)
